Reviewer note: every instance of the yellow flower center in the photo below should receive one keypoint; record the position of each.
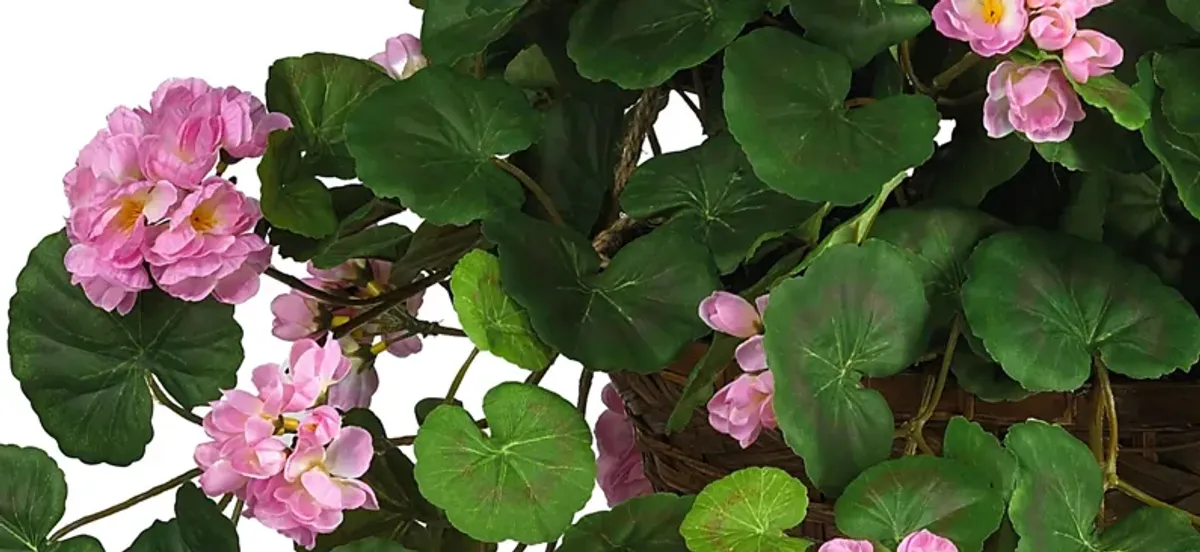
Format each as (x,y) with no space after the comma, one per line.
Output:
(204,218)
(131,211)
(993,11)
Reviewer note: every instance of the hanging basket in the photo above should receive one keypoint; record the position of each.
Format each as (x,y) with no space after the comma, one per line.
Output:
(1160,433)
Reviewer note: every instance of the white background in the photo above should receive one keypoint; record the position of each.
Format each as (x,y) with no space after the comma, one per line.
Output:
(67,64)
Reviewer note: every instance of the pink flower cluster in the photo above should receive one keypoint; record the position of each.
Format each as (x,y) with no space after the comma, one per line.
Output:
(619,464)
(401,57)
(921,541)
(284,452)
(743,408)
(140,194)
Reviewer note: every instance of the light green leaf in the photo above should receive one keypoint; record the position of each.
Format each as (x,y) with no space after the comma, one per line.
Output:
(748,511)
(635,315)
(858,311)
(376,242)
(711,192)
(796,132)
(431,140)
(199,526)
(531,69)
(85,370)
(452,29)
(292,198)
(900,497)
(33,497)
(639,44)
(1108,92)
(968,443)
(1157,529)
(1058,491)
(859,29)
(524,482)
(643,523)
(371,545)
(492,320)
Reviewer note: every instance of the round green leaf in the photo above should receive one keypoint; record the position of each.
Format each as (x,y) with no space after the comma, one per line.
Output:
(371,545)
(635,315)
(899,497)
(639,44)
(199,526)
(968,443)
(1187,11)
(430,141)
(859,29)
(1157,529)
(1099,144)
(711,192)
(1058,491)
(796,132)
(33,496)
(452,29)
(940,240)
(85,370)
(492,320)
(1179,153)
(644,523)
(858,311)
(748,511)
(985,379)
(1044,304)
(524,482)
(1176,72)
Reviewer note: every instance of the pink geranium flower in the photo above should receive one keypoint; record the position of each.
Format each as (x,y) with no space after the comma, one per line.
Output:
(297,316)
(183,133)
(1036,100)
(401,57)
(1052,29)
(744,407)
(358,387)
(246,124)
(846,545)
(991,27)
(619,465)
(111,284)
(924,541)
(314,368)
(1075,8)
(730,314)
(1091,54)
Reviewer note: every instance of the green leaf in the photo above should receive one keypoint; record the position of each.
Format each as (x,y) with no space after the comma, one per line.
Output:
(426,406)
(371,545)
(639,45)
(33,497)
(348,203)
(85,370)
(435,248)
(524,482)
(777,6)
(973,164)
(899,497)
(939,241)
(531,69)
(635,315)
(199,526)
(78,544)
(1058,491)
(292,198)
(1108,92)
(453,29)
(494,322)
(985,379)
(799,137)
(1179,153)
(748,510)
(1140,27)
(859,29)
(431,141)
(699,386)
(319,92)
(1175,72)
(643,523)
(968,443)
(1044,304)
(1158,529)
(1084,215)
(376,242)
(1187,11)
(711,192)
(858,311)
(1099,144)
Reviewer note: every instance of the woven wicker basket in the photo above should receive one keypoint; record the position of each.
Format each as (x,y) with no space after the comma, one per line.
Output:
(1160,433)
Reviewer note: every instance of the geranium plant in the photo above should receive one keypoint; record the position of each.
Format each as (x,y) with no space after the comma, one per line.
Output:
(816,243)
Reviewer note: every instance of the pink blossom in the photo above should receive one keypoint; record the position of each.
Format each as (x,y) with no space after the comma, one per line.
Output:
(619,466)
(1091,54)
(118,225)
(351,273)
(991,27)
(846,545)
(402,57)
(730,314)
(751,356)
(108,283)
(108,162)
(209,247)
(246,124)
(183,136)
(743,408)
(924,541)
(400,347)
(297,316)
(357,388)
(319,427)
(241,427)
(1052,29)
(1074,8)
(314,368)
(1036,100)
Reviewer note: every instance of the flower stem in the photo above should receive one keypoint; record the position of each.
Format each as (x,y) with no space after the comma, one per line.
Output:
(1110,412)
(391,300)
(137,499)
(163,399)
(906,66)
(460,376)
(655,145)
(698,84)
(224,503)
(942,81)
(691,105)
(1141,496)
(858,102)
(237,511)
(299,285)
(929,405)
(585,390)
(530,184)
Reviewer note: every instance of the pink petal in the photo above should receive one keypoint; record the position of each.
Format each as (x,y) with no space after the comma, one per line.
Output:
(322,489)
(729,313)
(351,453)
(751,356)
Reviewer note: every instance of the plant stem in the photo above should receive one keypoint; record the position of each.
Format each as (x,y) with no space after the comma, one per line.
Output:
(1110,411)
(408,440)
(460,376)
(535,378)
(692,105)
(943,80)
(135,500)
(530,184)
(929,405)
(237,512)
(392,301)
(520,547)
(858,102)
(1141,496)
(224,503)
(585,389)
(907,67)
(655,145)
(551,546)
(163,399)
(299,285)
(698,84)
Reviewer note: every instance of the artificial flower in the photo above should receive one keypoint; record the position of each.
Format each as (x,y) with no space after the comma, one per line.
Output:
(924,541)
(744,408)
(1052,28)
(1091,54)
(401,57)
(1036,100)
(846,545)
(619,464)
(991,27)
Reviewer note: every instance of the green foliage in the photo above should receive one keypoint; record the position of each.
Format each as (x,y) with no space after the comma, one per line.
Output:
(968,443)
(455,28)
(492,320)
(859,29)
(644,523)
(199,526)
(33,497)
(748,510)
(292,198)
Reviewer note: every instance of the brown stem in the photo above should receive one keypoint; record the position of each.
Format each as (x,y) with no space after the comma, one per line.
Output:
(408,440)
(392,300)
(237,511)
(907,67)
(551,546)
(692,105)
(299,285)
(858,102)
(535,378)
(641,119)
(1145,498)
(971,98)
(166,401)
(530,184)
(702,100)
(943,80)
(655,145)
(133,501)
(929,406)
(585,390)
(1110,412)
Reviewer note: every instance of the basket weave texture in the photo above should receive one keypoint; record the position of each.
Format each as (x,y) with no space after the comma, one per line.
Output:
(1159,425)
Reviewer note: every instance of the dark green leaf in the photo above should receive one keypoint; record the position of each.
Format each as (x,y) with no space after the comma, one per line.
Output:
(858,311)
(292,198)
(85,370)
(524,482)
(967,442)
(643,523)
(78,544)
(33,496)
(371,545)
(377,242)
(531,69)
(639,44)
(859,29)
(1179,153)
(985,379)
(1099,144)
(199,526)
(494,322)
(1140,26)
(1176,73)
(1187,11)
(899,497)
(1058,491)
(452,29)
(431,141)
(1044,304)
(972,164)
(318,92)
(1084,216)
(348,202)
(699,386)
(748,510)
(1108,92)
(635,315)
(435,248)
(796,132)
(1158,529)
(425,406)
